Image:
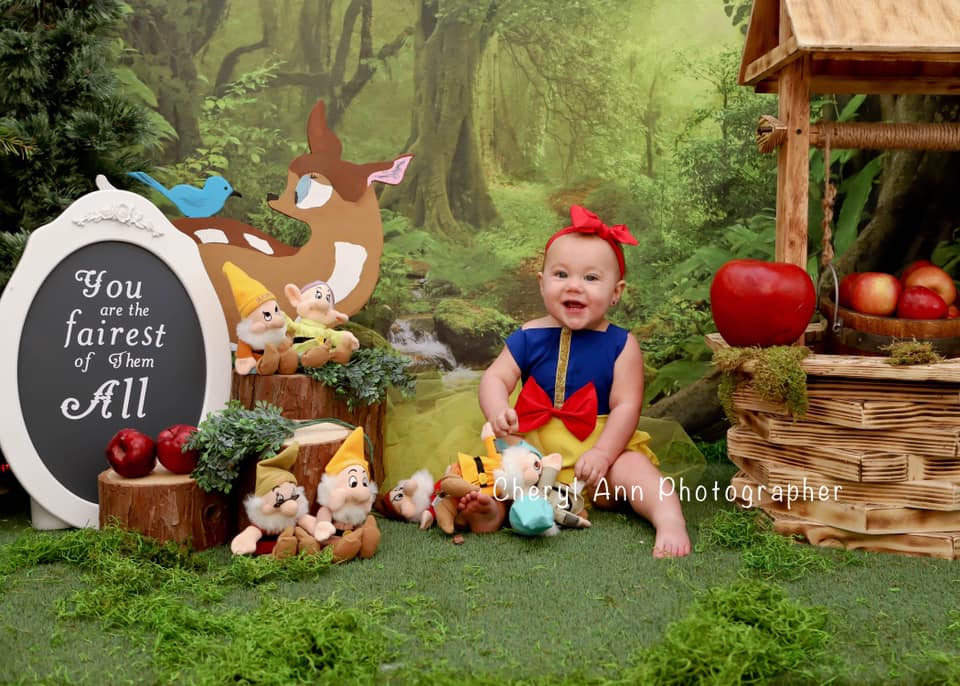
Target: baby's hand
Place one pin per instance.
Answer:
(591, 467)
(506, 422)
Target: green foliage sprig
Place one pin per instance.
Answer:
(228, 437)
(11, 248)
(364, 380)
(777, 375)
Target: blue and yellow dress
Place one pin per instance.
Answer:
(572, 365)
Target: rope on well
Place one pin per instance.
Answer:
(829, 195)
(771, 134)
(889, 136)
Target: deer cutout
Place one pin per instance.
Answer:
(336, 199)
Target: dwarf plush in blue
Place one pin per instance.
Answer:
(539, 508)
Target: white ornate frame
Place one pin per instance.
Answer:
(104, 215)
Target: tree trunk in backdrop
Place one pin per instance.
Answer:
(168, 37)
(917, 203)
(445, 185)
(696, 407)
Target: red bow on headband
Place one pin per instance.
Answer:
(585, 221)
(578, 414)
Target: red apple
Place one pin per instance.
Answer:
(761, 303)
(919, 302)
(876, 293)
(846, 288)
(131, 453)
(912, 267)
(170, 449)
(953, 312)
(935, 279)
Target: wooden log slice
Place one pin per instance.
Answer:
(164, 506)
(318, 444)
(302, 397)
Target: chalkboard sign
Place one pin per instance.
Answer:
(115, 324)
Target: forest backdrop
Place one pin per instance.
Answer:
(515, 109)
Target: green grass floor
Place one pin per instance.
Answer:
(576, 608)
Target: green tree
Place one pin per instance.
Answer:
(446, 188)
(726, 176)
(64, 117)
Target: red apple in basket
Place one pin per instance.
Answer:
(919, 302)
(914, 266)
(846, 288)
(953, 312)
(761, 303)
(935, 279)
(170, 452)
(131, 453)
(876, 293)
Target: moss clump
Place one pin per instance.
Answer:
(171, 602)
(744, 633)
(763, 552)
(777, 375)
(474, 333)
(911, 352)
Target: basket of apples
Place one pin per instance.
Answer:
(877, 309)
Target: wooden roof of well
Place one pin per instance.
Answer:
(856, 46)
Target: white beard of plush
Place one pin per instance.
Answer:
(519, 474)
(275, 522)
(350, 513)
(421, 495)
(259, 341)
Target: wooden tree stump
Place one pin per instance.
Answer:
(164, 506)
(318, 444)
(302, 397)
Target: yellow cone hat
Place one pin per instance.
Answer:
(276, 470)
(248, 293)
(349, 454)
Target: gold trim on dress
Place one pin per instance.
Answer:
(563, 360)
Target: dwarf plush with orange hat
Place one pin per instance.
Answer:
(345, 495)
(275, 507)
(263, 346)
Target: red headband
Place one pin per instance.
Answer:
(585, 221)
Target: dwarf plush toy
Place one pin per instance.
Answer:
(262, 343)
(485, 473)
(314, 337)
(541, 509)
(411, 500)
(345, 495)
(275, 507)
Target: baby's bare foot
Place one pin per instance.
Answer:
(672, 540)
(482, 513)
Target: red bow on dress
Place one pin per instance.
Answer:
(585, 221)
(578, 414)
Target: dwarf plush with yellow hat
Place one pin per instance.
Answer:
(275, 507)
(345, 495)
(263, 346)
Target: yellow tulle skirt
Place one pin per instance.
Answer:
(553, 437)
(444, 419)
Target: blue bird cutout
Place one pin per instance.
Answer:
(190, 200)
